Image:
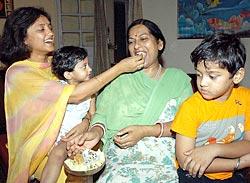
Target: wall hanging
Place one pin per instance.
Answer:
(199, 18)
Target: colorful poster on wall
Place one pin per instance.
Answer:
(199, 18)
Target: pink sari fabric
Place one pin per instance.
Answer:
(34, 105)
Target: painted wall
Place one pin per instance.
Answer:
(164, 13)
(48, 5)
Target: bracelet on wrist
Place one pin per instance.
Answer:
(101, 126)
(237, 165)
(161, 129)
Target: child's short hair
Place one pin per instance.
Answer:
(66, 58)
(224, 49)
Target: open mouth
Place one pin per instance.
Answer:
(144, 54)
(141, 53)
(49, 41)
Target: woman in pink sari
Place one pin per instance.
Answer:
(34, 101)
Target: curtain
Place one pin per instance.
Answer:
(134, 10)
(102, 58)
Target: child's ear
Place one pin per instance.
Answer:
(67, 75)
(239, 75)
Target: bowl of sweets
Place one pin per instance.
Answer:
(88, 162)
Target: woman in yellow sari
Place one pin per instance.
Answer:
(34, 101)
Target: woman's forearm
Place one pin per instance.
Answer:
(157, 130)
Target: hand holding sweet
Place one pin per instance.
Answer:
(129, 136)
(131, 64)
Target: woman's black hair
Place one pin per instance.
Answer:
(153, 29)
(12, 44)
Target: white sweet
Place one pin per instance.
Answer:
(91, 160)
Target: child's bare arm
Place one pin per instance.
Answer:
(183, 144)
(244, 161)
(228, 151)
(86, 89)
(92, 108)
(203, 159)
(195, 160)
(224, 165)
(232, 150)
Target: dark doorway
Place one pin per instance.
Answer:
(120, 8)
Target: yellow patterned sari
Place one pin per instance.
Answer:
(34, 105)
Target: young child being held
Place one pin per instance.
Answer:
(213, 126)
(70, 65)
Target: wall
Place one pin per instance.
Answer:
(177, 52)
(48, 5)
(164, 13)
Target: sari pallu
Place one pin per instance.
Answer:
(136, 99)
(34, 105)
